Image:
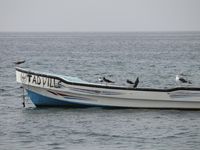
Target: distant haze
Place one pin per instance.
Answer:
(99, 15)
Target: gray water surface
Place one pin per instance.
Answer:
(153, 57)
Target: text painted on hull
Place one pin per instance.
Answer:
(39, 80)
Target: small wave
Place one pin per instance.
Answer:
(54, 144)
(9, 88)
(2, 134)
(26, 141)
(7, 95)
(97, 134)
(22, 132)
(2, 90)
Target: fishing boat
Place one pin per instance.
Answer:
(46, 89)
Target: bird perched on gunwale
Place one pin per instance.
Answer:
(129, 81)
(103, 79)
(182, 80)
(135, 84)
(107, 80)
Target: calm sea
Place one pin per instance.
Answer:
(153, 57)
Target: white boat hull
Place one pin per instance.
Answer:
(52, 90)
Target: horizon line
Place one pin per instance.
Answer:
(141, 31)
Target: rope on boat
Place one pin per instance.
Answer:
(23, 97)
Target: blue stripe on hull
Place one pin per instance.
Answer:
(40, 100)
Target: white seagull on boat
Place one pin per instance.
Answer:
(182, 80)
(100, 79)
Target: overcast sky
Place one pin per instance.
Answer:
(99, 15)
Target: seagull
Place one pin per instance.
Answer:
(106, 80)
(181, 80)
(129, 81)
(19, 62)
(100, 79)
(135, 84)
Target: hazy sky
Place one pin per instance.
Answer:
(99, 15)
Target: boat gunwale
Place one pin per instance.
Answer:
(107, 86)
